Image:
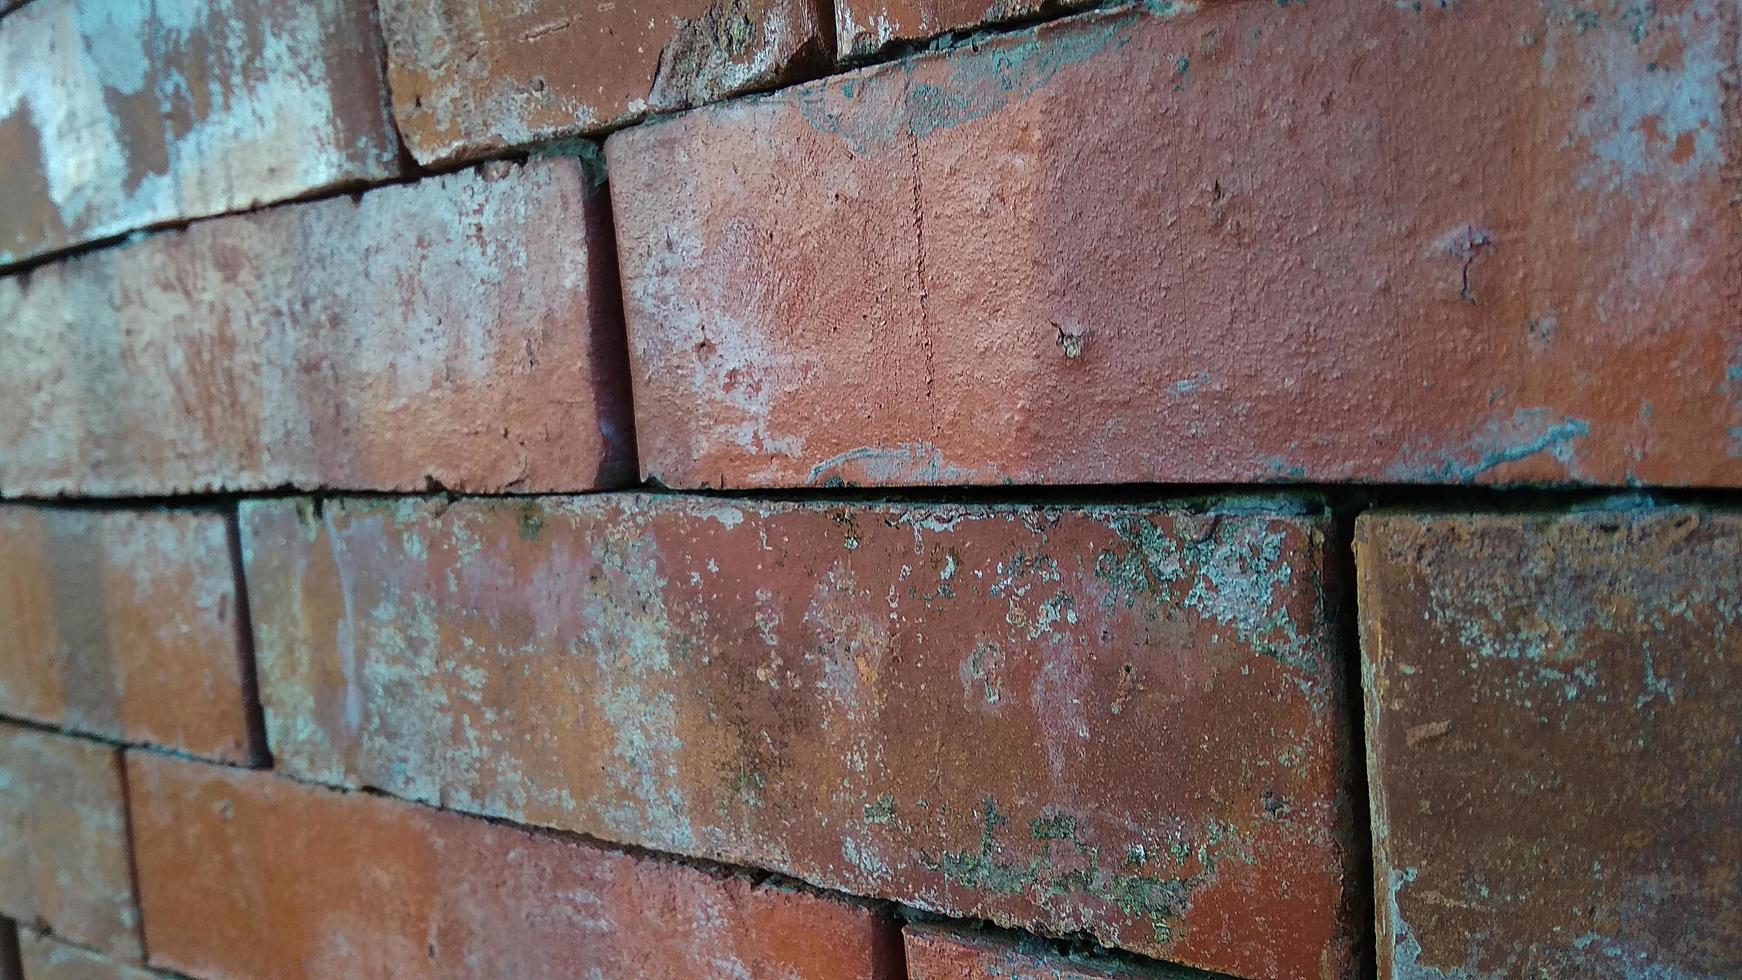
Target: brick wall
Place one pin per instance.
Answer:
(786, 489)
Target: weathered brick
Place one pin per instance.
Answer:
(125, 624)
(45, 958)
(1499, 246)
(63, 839)
(818, 689)
(471, 77)
(463, 331)
(1552, 733)
(866, 27)
(936, 952)
(245, 874)
(117, 116)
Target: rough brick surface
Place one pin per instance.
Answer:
(867, 27)
(44, 958)
(470, 76)
(1499, 245)
(946, 953)
(125, 624)
(1552, 727)
(116, 116)
(817, 689)
(63, 840)
(463, 331)
(245, 874)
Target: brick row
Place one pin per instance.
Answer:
(1552, 733)
(126, 625)
(460, 332)
(245, 874)
(118, 116)
(1500, 246)
(818, 689)
(64, 858)
(471, 78)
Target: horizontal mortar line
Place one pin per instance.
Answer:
(1516, 499)
(154, 748)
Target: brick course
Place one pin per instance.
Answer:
(816, 689)
(976, 267)
(117, 116)
(1552, 728)
(471, 78)
(63, 840)
(245, 874)
(125, 624)
(461, 332)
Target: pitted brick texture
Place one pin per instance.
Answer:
(245, 874)
(126, 625)
(1115, 720)
(1481, 242)
(471, 77)
(63, 840)
(118, 116)
(1552, 729)
(460, 332)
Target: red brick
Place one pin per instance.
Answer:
(1552, 733)
(44, 958)
(462, 331)
(1499, 246)
(63, 840)
(117, 116)
(124, 624)
(244, 874)
(936, 952)
(470, 78)
(817, 689)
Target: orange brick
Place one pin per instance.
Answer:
(462, 331)
(45, 958)
(1552, 725)
(245, 874)
(470, 78)
(118, 116)
(1473, 242)
(64, 859)
(1125, 721)
(936, 952)
(125, 624)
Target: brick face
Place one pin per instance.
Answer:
(63, 840)
(462, 332)
(245, 874)
(471, 78)
(117, 116)
(817, 689)
(977, 267)
(125, 624)
(1552, 728)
